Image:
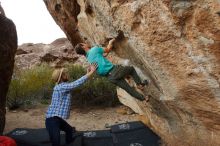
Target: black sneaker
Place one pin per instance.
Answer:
(141, 99)
(145, 83)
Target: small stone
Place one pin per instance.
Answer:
(25, 110)
(107, 125)
(121, 111)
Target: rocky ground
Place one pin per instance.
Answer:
(82, 119)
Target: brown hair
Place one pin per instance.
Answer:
(79, 49)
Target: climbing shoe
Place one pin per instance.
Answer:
(144, 83)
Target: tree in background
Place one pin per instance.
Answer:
(8, 46)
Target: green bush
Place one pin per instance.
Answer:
(30, 86)
(34, 86)
(96, 91)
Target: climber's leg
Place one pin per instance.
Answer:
(124, 85)
(120, 72)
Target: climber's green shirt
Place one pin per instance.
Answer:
(95, 55)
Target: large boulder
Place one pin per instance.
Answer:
(8, 46)
(174, 43)
(57, 53)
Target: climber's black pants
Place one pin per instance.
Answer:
(117, 76)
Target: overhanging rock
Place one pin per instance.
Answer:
(174, 43)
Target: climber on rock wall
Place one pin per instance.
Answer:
(115, 73)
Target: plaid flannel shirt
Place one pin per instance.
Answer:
(61, 98)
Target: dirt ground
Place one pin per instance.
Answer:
(82, 119)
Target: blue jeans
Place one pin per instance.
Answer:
(54, 125)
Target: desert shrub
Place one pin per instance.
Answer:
(96, 91)
(29, 86)
(33, 86)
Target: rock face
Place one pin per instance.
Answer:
(8, 46)
(57, 53)
(175, 43)
(1, 10)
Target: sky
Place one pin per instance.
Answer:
(33, 22)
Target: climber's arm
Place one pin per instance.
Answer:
(109, 47)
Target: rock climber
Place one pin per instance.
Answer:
(115, 73)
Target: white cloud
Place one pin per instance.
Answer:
(33, 21)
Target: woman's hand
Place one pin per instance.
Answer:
(91, 69)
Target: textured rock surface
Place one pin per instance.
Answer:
(8, 46)
(2, 10)
(57, 53)
(174, 42)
